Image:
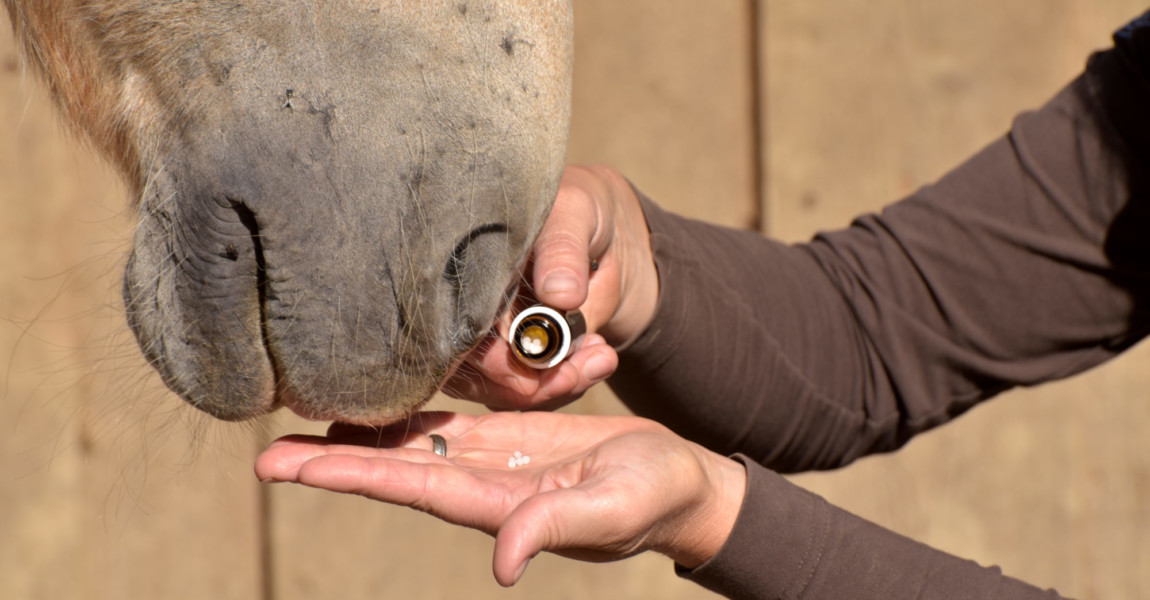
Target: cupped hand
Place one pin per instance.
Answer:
(586, 487)
(593, 254)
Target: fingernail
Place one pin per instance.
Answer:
(559, 282)
(519, 572)
(598, 368)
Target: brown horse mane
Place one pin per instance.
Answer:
(119, 70)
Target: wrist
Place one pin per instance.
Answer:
(705, 528)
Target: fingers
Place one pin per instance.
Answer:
(466, 487)
(414, 477)
(496, 379)
(443, 490)
(575, 233)
(562, 501)
(580, 229)
(396, 481)
(591, 364)
(491, 375)
(284, 458)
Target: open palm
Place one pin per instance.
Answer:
(592, 488)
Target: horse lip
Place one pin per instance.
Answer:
(506, 306)
(309, 413)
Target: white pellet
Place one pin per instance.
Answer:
(532, 346)
(518, 460)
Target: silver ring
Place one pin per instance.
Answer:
(438, 444)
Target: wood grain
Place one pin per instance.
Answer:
(111, 489)
(865, 102)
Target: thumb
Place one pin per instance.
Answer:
(562, 520)
(567, 242)
(528, 530)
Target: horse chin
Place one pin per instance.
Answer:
(370, 418)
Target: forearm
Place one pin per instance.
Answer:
(725, 362)
(1025, 264)
(789, 543)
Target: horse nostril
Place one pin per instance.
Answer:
(455, 270)
(474, 275)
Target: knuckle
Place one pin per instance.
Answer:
(574, 193)
(561, 242)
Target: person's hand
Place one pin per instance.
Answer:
(590, 488)
(593, 254)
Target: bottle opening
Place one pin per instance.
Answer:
(540, 337)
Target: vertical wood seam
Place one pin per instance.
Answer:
(266, 547)
(758, 117)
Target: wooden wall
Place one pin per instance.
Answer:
(786, 115)
(865, 102)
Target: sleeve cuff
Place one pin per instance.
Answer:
(776, 544)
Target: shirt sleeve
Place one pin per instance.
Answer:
(789, 543)
(1030, 262)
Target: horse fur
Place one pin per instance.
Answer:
(334, 198)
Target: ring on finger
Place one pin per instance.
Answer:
(438, 444)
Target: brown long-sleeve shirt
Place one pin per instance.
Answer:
(1029, 263)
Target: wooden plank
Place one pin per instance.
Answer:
(866, 101)
(662, 92)
(99, 497)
